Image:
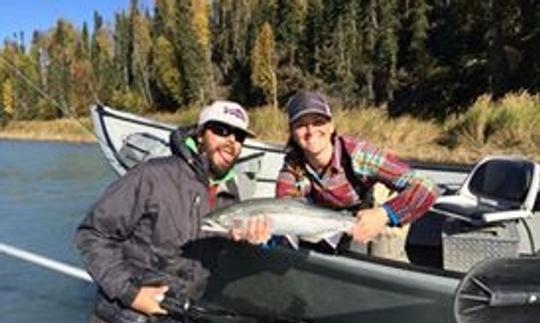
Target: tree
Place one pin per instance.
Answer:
(264, 63)
(163, 23)
(7, 99)
(189, 52)
(290, 24)
(203, 35)
(123, 50)
(416, 56)
(61, 50)
(167, 73)
(386, 49)
(142, 47)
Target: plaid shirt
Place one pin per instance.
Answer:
(367, 166)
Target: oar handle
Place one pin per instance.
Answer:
(515, 296)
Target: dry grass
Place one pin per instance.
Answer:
(185, 116)
(508, 126)
(269, 124)
(57, 130)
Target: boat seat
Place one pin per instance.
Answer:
(499, 188)
(141, 146)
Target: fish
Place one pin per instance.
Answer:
(292, 218)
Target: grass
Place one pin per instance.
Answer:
(507, 126)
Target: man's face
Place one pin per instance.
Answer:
(313, 133)
(222, 145)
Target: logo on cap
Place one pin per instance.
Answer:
(235, 112)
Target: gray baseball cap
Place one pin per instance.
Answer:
(303, 103)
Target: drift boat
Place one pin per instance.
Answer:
(487, 211)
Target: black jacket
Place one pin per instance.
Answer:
(145, 227)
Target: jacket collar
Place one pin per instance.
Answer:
(184, 145)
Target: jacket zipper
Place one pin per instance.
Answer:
(197, 212)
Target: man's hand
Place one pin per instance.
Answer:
(256, 230)
(148, 298)
(370, 223)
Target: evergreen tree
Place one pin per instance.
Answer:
(418, 23)
(85, 42)
(105, 77)
(312, 40)
(386, 49)
(123, 50)
(189, 52)
(290, 22)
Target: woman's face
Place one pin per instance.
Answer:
(313, 133)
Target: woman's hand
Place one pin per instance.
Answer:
(255, 230)
(370, 223)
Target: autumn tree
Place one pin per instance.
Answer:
(189, 51)
(7, 99)
(167, 73)
(105, 77)
(264, 63)
(142, 48)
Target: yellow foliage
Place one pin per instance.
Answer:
(7, 97)
(200, 22)
(168, 75)
(263, 63)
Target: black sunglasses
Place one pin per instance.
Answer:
(224, 130)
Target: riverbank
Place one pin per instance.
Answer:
(455, 141)
(66, 130)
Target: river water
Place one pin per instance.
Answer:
(45, 190)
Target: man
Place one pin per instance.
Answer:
(137, 240)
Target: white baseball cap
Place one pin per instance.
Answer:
(227, 112)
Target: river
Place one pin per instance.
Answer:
(45, 190)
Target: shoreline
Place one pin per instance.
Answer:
(45, 138)
(80, 131)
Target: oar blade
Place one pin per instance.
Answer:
(504, 290)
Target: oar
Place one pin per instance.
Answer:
(503, 290)
(45, 262)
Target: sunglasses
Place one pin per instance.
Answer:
(224, 130)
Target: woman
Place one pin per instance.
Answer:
(338, 171)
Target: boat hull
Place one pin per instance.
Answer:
(286, 285)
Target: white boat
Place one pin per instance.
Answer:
(489, 211)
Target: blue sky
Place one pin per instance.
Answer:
(29, 15)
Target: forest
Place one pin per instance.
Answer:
(430, 59)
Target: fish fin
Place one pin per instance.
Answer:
(333, 239)
(293, 241)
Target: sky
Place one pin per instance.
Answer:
(29, 15)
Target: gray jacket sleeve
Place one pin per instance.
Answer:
(109, 222)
